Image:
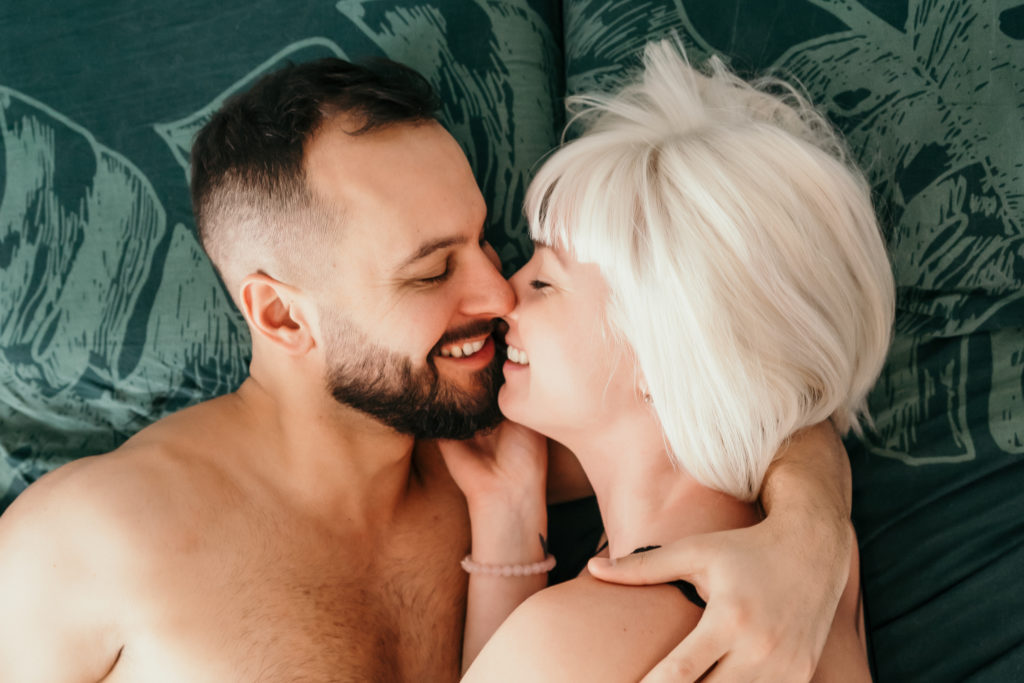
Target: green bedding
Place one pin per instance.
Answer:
(111, 317)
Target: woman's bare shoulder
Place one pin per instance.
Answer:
(586, 629)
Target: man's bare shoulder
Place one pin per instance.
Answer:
(585, 629)
(71, 549)
(81, 546)
(123, 497)
(96, 500)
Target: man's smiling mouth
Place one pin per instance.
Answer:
(462, 349)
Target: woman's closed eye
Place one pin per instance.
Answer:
(538, 284)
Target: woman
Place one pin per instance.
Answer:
(709, 278)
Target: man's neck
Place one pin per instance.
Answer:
(337, 461)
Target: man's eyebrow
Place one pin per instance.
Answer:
(430, 247)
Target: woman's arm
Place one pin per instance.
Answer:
(503, 476)
(501, 539)
(771, 589)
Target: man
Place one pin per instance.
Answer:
(296, 529)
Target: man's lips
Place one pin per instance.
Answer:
(463, 348)
(482, 352)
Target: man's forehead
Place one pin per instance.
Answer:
(401, 187)
(418, 157)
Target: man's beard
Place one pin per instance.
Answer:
(418, 402)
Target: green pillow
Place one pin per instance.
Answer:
(110, 314)
(931, 98)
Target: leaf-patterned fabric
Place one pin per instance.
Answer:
(111, 316)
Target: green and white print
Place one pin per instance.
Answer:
(112, 317)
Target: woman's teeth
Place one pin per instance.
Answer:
(461, 350)
(517, 356)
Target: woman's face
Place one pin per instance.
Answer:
(566, 372)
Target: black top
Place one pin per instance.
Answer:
(688, 590)
(574, 528)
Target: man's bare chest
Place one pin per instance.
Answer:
(302, 610)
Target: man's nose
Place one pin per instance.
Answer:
(488, 294)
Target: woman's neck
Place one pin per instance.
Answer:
(645, 499)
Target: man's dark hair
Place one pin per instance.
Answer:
(248, 179)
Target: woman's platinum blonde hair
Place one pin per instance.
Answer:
(746, 268)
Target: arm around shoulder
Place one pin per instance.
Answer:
(810, 476)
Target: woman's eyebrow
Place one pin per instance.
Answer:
(540, 246)
(556, 257)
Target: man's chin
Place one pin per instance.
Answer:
(428, 407)
(458, 414)
(476, 393)
(440, 423)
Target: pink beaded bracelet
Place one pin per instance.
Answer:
(542, 567)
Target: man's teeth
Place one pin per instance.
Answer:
(460, 350)
(517, 356)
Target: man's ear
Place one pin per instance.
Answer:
(278, 312)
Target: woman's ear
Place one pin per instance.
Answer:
(277, 312)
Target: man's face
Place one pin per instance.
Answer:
(409, 303)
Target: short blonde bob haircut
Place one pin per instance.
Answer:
(745, 265)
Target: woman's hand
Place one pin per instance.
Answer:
(506, 466)
(503, 475)
(772, 588)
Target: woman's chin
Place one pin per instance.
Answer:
(512, 406)
(517, 409)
